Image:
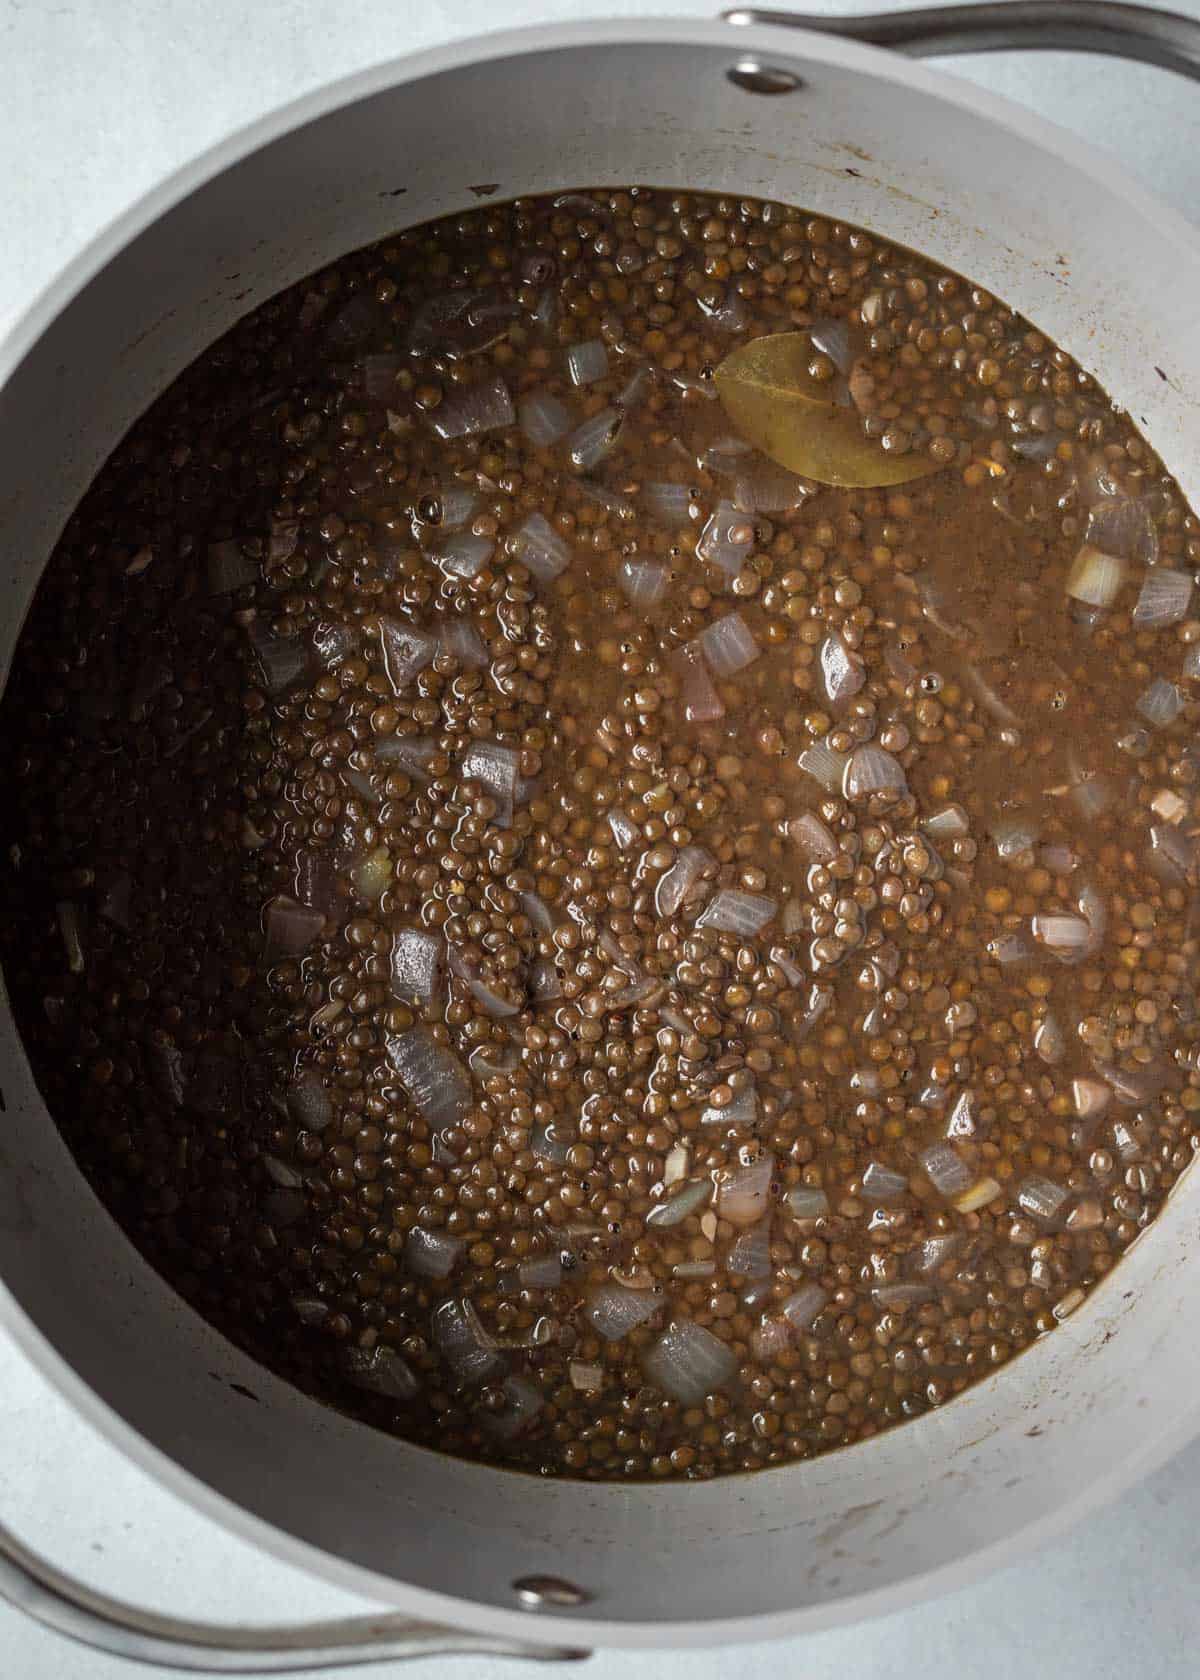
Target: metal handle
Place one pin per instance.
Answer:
(91, 1618)
(1167, 39)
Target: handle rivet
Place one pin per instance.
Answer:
(753, 76)
(537, 1591)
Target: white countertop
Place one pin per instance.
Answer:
(101, 99)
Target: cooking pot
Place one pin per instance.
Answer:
(467, 1556)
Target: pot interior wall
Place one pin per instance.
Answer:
(899, 151)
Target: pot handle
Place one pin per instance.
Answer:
(91, 1618)
(1166, 39)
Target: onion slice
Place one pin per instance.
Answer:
(433, 1076)
(688, 1362)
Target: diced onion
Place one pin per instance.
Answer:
(806, 1201)
(670, 504)
(1172, 854)
(750, 1255)
(825, 765)
(761, 486)
(543, 419)
(946, 1170)
(229, 568)
(415, 959)
(283, 660)
(433, 1076)
(644, 581)
(688, 1362)
(881, 1184)
(742, 1111)
(677, 1208)
(805, 1306)
(744, 1193)
(895, 1297)
(587, 362)
(1164, 598)
(380, 1370)
(729, 314)
(309, 1103)
(472, 409)
(498, 768)
(548, 1144)
(464, 556)
(523, 1400)
(871, 770)
(588, 1379)
(290, 928)
(432, 1254)
(726, 539)
(935, 1251)
(842, 672)
(538, 545)
(461, 641)
(1124, 526)
(590, 443)
(742, 913)
(950, 823)
(1161, 703)
(1090, 1098)
(541, 1271)
(413, 753)
(1013, 836)
(1095, 578)
(1068, 937)
(963, 1121)
(832, 338)
(613, 1311)
(406, 652)
(282, 1173)
(624, 829)
(728, 645)
(701, 702)
(463, 1342)
(812, 838)
(1042, 1200)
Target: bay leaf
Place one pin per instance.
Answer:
(776, 404)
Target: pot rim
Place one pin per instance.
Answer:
(781, 44)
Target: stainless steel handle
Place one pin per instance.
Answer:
(91, 1618)
(1167, 39)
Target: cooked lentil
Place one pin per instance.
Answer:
(524, 1007)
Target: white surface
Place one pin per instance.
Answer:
(99, 103)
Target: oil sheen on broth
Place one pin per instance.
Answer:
(568, 940)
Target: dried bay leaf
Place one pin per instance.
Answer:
(775, 404)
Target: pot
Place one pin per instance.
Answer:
(461, 1552)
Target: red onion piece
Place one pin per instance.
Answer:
(743, 913)
(676, 885)
(538, 545)
(543, 419)
(727, 539)
(413, 753)
(701, 702)
(744, 1193)
(871, 770)
(1042, 1200)
(432, 1254)
(946, 1170)
(498, 768)
(416, 956)
(1069, 938)
(804, 1307)
(882, 1184)
(473, 409)
(463, 1342)
(283, 660)
(728, 645)
(380, 1370)
(963, 1121)
(689, 1363)
(842, 672)
(522, 1403)
(433, 1076)
(613, 1311)
(1164, 598)
(464, 556)
(644, 581)
(1161, 703)
(812, 838)
(806, 1201)
(461, 641)
(406, 652)
(670, 504)
(1124, 527)
(587, 362)
(825, 765)
(541, 1271)
(750, 1254)
(760, 485)
(229, 569)
(729, 315)
(589, 443)
(1095, 578)
(289, 928)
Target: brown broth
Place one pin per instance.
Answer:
(214, 751)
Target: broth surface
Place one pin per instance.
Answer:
(568, 940)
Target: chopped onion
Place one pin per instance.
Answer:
(670, 504)
(290, 928)
(613, 1311)
(1090, 1098)
(541, 1271)
(406, 652)
(950, 823)
(935, 1251)
(832, 338)
(433, 1076)
(726, 539)
(432, 1254)
(1172, 854)
(588, 1379)
(542, 418)
(1164, 598)
(538, 545)
(229, 569)
(283, 660)
(769, 1339)
(1125, 1138)
(498, 768)
(744, 1193)
(415, 959)
(380, 1370)
(372, 876)
(983, 1191)
(1068, 937)
(728, 645)
(750, 1255)
(1095, 578)
(587, 362)
(742, 913)
(464, 556)
(804, 1307)
(963, 1121)
(825, 766)
(701, 702)
(688, 1200)
(742, 1111)
(675, 886)
(689, 1363)
(1161, 703)
(353, 321)
(545, 982)
(522, 1403)
(762, 486)
(634, 388)
(1124, 526)
(945, 1170)
(309, 1103)
(729, 315)
(548, 1144)
(695, 1269)
(1132, 1087)
(282, 1173)
(644, 581)
(1013, 836)
(881, 1184)
(806, 1201)
(1042, 1200)
(309, 1309)
(472, 409)
(895, 1297)
(842, 672)
(871, 770)
(624, 829)
(590, 443)
(463, 1342)
(491, 1061)
(812, 838)
(460, 640)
